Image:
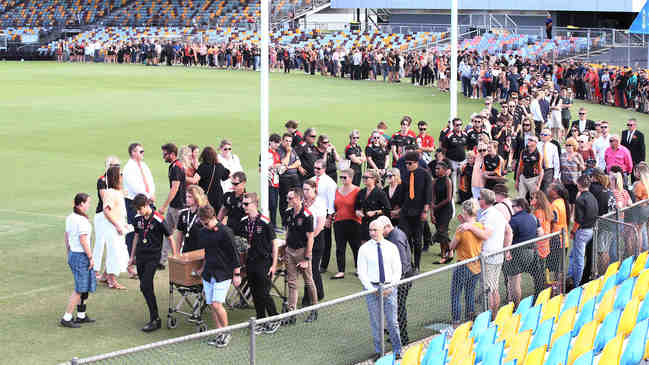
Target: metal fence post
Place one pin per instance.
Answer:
(483, 275)
(593, 264)
(74, 361)
(620, 247)
(564, 251)
(381, 318)
(252, 324)
(588, 45)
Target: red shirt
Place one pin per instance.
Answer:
(273, 177)
(344, 205)
(425, 140)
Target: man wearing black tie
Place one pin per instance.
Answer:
(633, 139)
(417, 193)
(583, 124)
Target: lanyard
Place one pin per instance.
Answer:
(146, 229)
(252, 224)
(190, 223)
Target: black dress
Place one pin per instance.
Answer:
(444, 213)
(395, 201)
(211, 177)
(377, 200)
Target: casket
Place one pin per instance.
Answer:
(183, 269)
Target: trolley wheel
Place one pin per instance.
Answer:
(171, 322)
(202, 328)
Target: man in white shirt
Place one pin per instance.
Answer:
(535, 110)
(326, 188)
(551, 162)
(600, 145)
(493, 235)
(379, 263)
(357, 59)
(136, 179)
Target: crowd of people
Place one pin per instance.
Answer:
(381, 200)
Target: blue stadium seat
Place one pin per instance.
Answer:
(624, 271)
(572, 299)
(481, 323)
(610, 284)
(542, 335)
(586, 315)
(585, 359)
(607, 330)
(624, 293)
(559, 352)
(484, 341)
(494, 355)
(635, 346)
(436, 347)
(524, 306)
(531, 319)
(386, 360)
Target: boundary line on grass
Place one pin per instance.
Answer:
(24, 212)
(33, 291)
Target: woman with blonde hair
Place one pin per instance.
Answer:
(188, 223)
(542, 210)
(622, 200)
(100, 220)
(640, 190)
(371, 202)
(190, 163)
(230, 161)
(393, 191)
(115, 227)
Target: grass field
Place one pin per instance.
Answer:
(58, 124)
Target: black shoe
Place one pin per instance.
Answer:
(69, 324)
(272, 327)
(397, 356)
(160, 267)
(313, 316)
(375, 357)
(155, 324)
(289, 321)
(85, 319)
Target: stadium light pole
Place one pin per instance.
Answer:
(263, 108)
(454, 50)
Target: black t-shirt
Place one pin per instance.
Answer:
(153, 231)
(221, 257)
(531, 163)
(308, 156)
(177, 173)
(331, 169)
(214, 173)
(189, 225)
(491, 163)
(378, 154)
(353, 151)
(260, 235)
(455, 145)
(298, 227)
(101, 185)
(473, 138)
(234, 206)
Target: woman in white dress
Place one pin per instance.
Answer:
(100, 220)
(554, 122)
(230, 161)
(115, 228)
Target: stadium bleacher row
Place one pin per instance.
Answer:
(605, 321)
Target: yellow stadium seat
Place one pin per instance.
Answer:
(612, 351)
(412, 355)
(504, 314)
(584, 341)
(459, 336)
(629, 315)
(536, 357)
(466, 359)
(611, 270)
(518, 348)
(606, 305)
(463, 350)
(565, 324)
(641, 285)
(591, 289)
(552, 308)
(509, 329)
(544, 296)
(639, 263)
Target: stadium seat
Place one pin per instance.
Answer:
(524, 306)
(586, 315)
(463, 349)
(504, 314)
(484, 341)
(639, 264)
(466, 358)
(480, 323)
(643, 311)
(607, 331)
(591, 290)
(559, 352)
(542, 335)
(624, 271)
(624, 293)
(606, 305)
(436, 347)
(564, 326)
(494, 355)
(584, 341)
(386, 360)
(635, 345)
(412, 355)
(572, 299)
(642, 285)
(460, 335)
(544, 296)
(551, 308)
(535, 357)
(629, 316)
(585, 359)
(611, 269)
(612, 351)
(531, 319)
(608, 285)
(519, 345)
(510, 329)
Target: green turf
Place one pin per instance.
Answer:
(58, 124)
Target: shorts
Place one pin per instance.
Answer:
(492, 276)
(216, 291)
(84, 278)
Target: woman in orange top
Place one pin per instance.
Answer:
(640, 190)
(347, 225)
(466, 276)
(542, 212)
(560, 213)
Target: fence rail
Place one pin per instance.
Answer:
(341, 334)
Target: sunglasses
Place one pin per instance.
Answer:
(317, 168)
(389, 175)
(343, 177)
(356, 137)
(582, 113)
(410, 163)
(458, 125)
(612, 140)
(325, 142)
(484, 150)
(630, 124)
(227, 149)
(236, 183)
(245, 204)
(526, 125)
(366, 177)
(604, 127)
(545, 134)
(422, 129)
(141, 152)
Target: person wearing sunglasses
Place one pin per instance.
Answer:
(354, 153)
(326, 151)
(137, 179)
(346, 222)
(232, 210)
(583, 124)
(230, 161)
(600, 144)
(100, 220)
(425, 142)
(473, 134)
(176, 198)
(455, 145)
(308, 153)
(529, 174)
(377, 152)
(403, 138)
(633, 140)
(371, 202)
